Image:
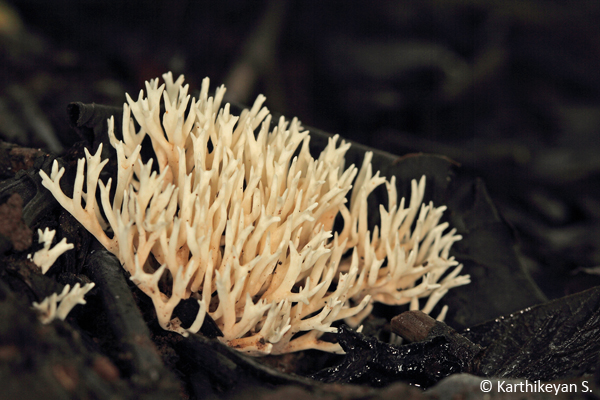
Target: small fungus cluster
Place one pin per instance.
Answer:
(49, 309)
(240, 217)
(46, 256)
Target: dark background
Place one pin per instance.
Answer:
(510, 89)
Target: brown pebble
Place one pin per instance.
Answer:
(416, 326)
(413, 326)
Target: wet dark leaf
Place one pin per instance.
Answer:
(370, 361)
(556, 340)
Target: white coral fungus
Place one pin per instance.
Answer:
(48, 309)
(240, 217)
(46, 256)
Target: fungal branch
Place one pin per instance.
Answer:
(244, 226)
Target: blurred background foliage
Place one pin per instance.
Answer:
(508, 89)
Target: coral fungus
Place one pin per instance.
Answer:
(240, 216)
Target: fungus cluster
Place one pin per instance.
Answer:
(240, 217)
(46, 256)
(49, 309)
